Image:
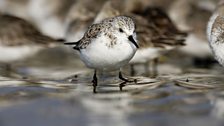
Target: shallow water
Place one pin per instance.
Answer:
(60, 93)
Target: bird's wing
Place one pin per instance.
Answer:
(92, 33)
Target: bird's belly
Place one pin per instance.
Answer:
(10, 54)
(100, 56)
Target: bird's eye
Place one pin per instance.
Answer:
(121, 30)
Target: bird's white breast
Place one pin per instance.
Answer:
(99, 56)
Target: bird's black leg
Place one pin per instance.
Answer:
(94, 81)
(121, 85)
(124, 79)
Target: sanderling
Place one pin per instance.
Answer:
(108, 45)
(215, 32)
(156, 32)
(19, 39)
(192, 16)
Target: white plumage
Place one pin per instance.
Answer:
(99, 56)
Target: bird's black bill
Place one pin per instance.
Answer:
(70, 43)
(74, 44)
(130, 38)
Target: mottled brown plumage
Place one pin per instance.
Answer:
(155, 29)
(15, 31)
(92, 33)
(165, 26)
(105, 28)
(162, 21)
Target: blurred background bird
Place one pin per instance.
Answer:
(19, 39)
(192, 16)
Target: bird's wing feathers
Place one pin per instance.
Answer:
(92, 33)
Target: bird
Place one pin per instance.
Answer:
(157, 34)
(215, 33)
(19, 40)
(108, 45)
(192, 16)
